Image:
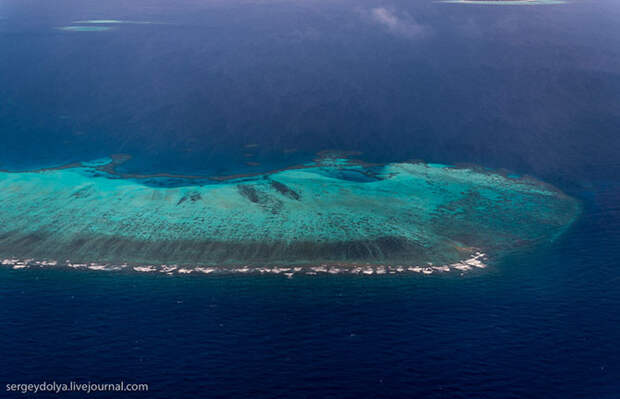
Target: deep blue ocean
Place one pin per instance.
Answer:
(224, 87)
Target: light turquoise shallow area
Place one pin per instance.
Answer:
(334, 211)
(111, 22)
(75, 28)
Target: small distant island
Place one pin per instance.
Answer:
(504, 2)
(333, 215)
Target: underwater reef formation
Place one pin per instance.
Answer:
(334, 211)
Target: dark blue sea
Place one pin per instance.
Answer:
(227, 87)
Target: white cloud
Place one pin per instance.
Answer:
(403, 25)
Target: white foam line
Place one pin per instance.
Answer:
(205, 270)
(144, 269)
(333, 270)
(476, 261)
(460, 266)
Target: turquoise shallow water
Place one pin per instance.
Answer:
(335, 211)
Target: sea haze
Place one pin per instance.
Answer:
(219, 88)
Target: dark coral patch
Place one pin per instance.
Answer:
(285, 190)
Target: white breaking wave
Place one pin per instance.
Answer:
(476, 261)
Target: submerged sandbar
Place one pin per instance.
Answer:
(335, 212)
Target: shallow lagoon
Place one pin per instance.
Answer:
(334, 211)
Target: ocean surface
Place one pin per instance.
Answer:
(220, 88)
